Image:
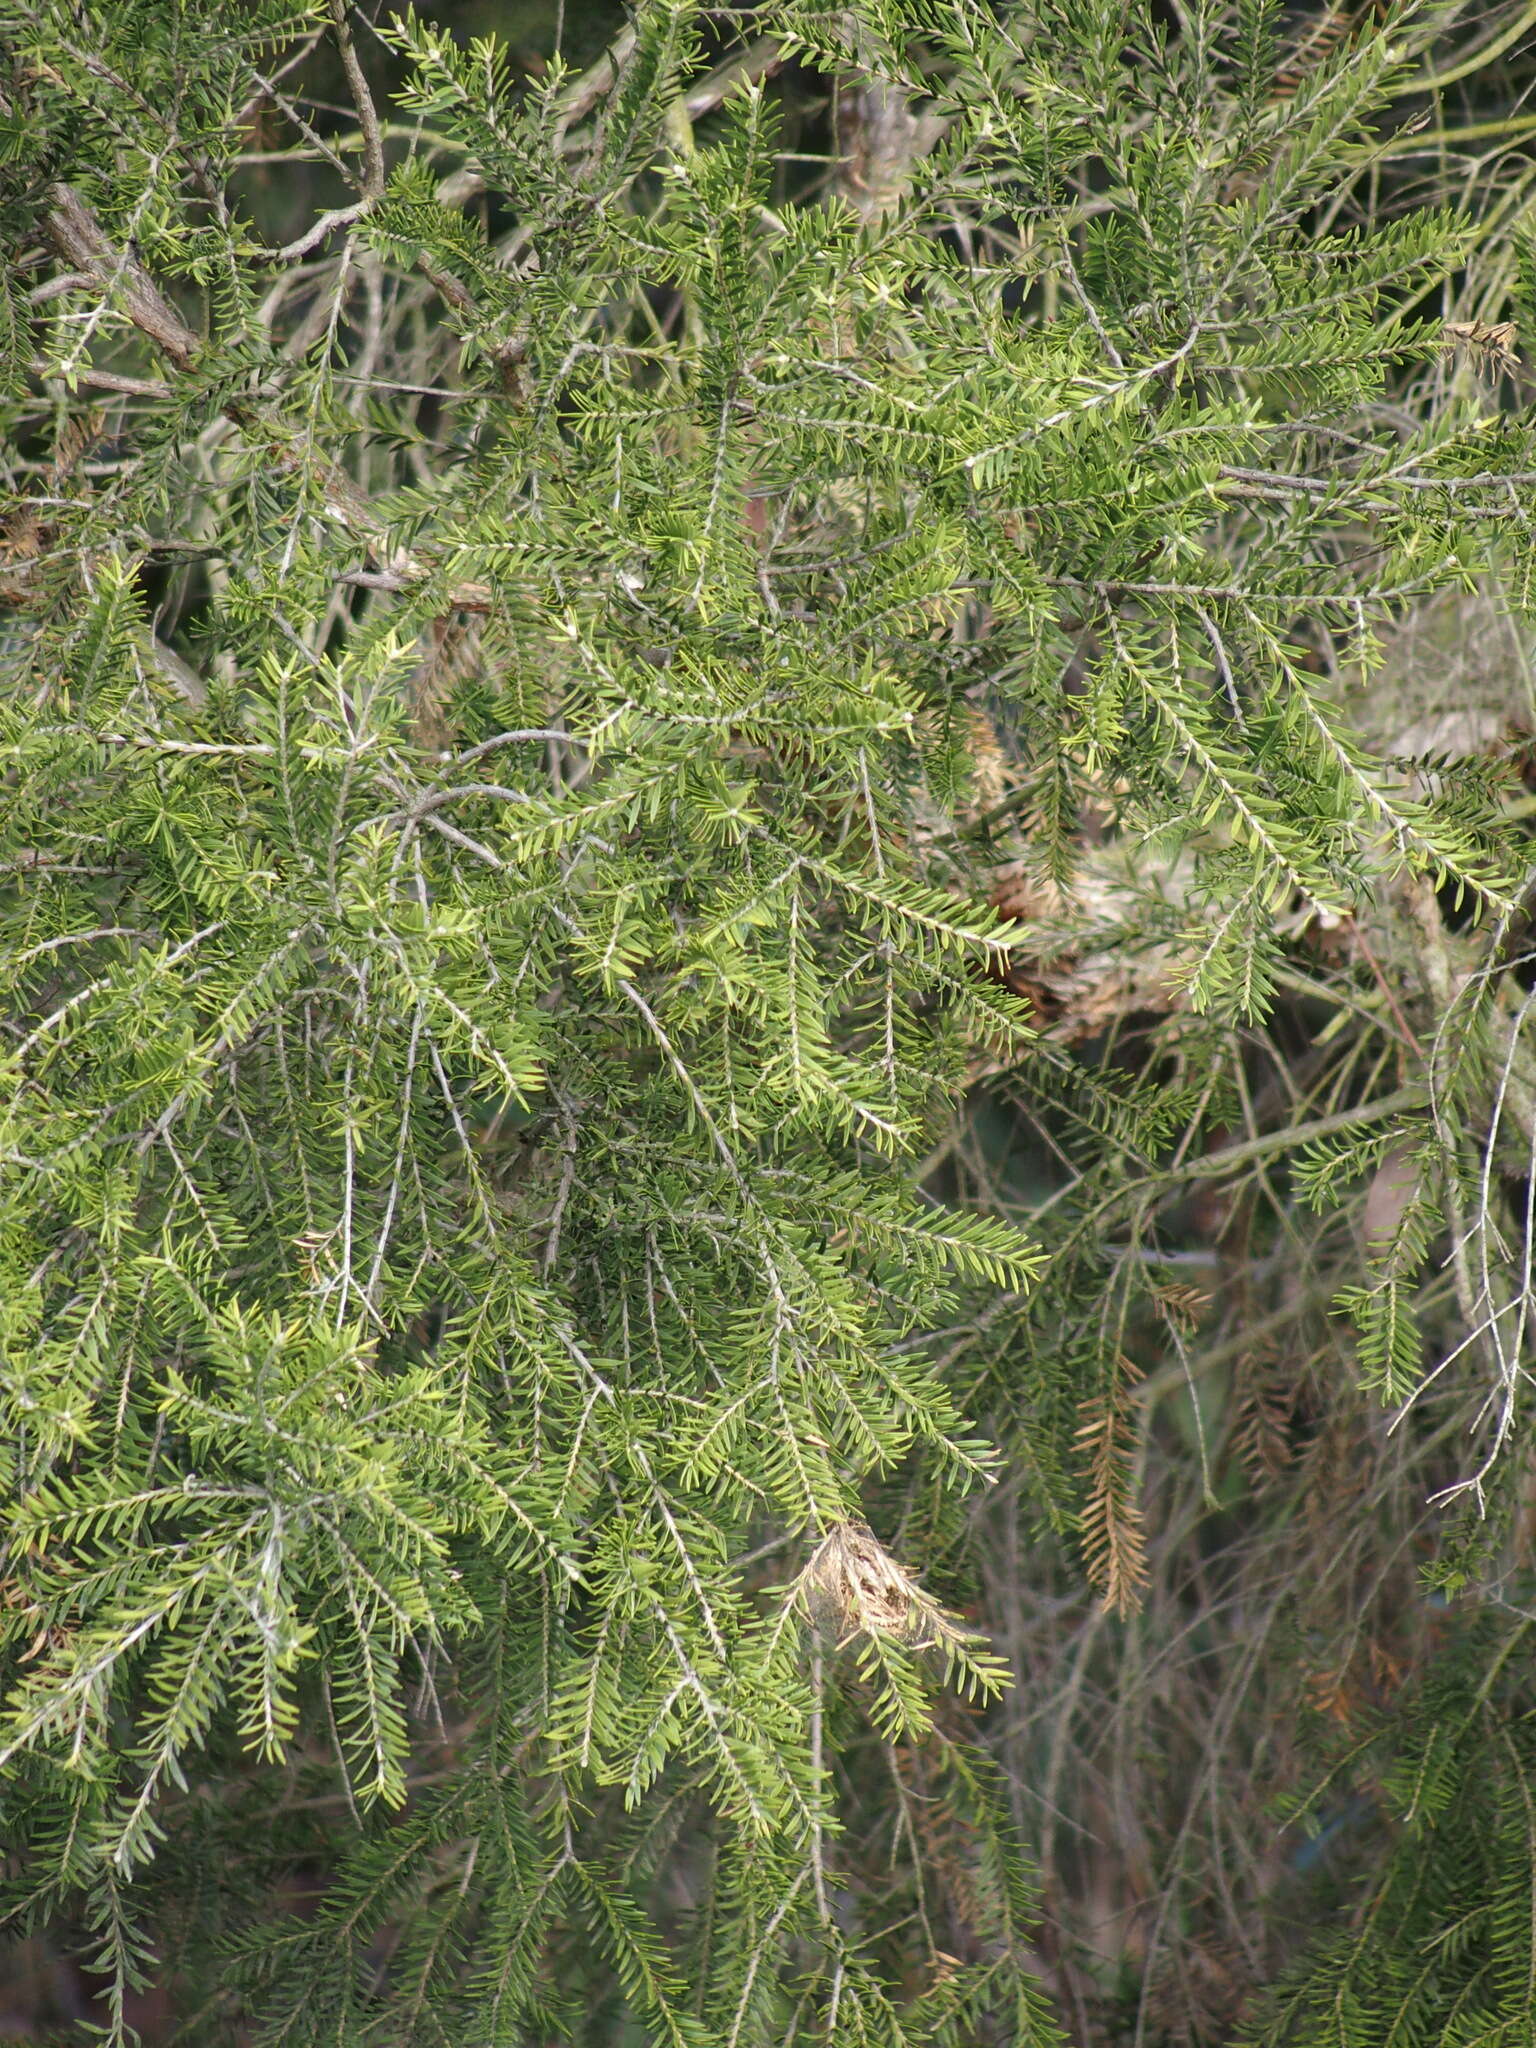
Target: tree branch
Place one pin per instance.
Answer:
(80, 239)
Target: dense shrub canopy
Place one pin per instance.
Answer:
(763, 807)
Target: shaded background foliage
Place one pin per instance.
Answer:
(1269, 1647)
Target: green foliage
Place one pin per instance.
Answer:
(498, 918)
(1441, 1949)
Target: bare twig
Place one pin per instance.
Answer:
(79, 237)
(362, 99)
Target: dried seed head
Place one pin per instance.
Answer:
(1493, 341)
(851, 1585)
